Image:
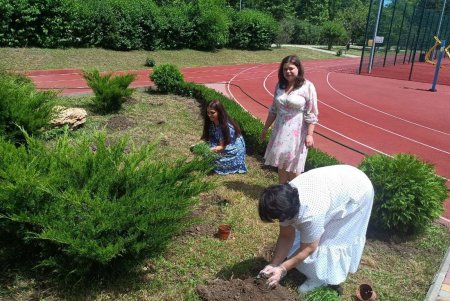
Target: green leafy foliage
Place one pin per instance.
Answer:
(211, 23)
(306, 33)
(175, 27)
(203, 149)
(21, 105)
(92, 203)
(150, 62)
(252, 29)
(339, 52)
(166, 77)
(110, 92)
(322, 294)
(317, 158)
(408, 193)
(333, 32)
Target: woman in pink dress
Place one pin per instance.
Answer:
(293, 114)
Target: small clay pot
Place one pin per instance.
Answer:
(224, 232)
(365, 292)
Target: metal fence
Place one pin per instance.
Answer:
(399, 35)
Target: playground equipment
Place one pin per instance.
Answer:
(431, 51)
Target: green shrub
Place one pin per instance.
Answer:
(408, 193)
(110, 92)
(339, 52)
(211, 24)
(175, 27)
(253, 30)
(317, 158)
(333, 32)
(21, 105)
(322, 294)
(116, 24)
(286, 31)
(166, 77)
(150, 62)
(92, 203)
(306, 33)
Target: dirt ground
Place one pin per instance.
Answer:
(249, 289)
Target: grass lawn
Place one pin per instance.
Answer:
(86, 58)
(399, 268)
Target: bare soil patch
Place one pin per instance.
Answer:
(119, 123)
(249, 289)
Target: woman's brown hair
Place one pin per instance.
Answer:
(224, 120)
(299, 80)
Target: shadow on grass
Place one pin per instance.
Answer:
(250, 190)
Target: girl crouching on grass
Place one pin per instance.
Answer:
(224, 138)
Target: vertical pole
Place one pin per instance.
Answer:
(417, 40)
(365, 38)
(438, 66)
(409, 32)
(400, 34)
(389, 34)
(441, 18)
(372, 51)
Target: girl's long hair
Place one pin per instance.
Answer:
(224, 120)
(299, 80)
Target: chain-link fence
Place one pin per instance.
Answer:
(401, 47)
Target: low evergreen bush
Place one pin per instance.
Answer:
(21, 105)
(408, 193)
(110, 92)
(166, 77)
(150, 62)
(89, 203)
(339, 52)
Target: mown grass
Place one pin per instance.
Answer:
(398, 269)
(101, 59)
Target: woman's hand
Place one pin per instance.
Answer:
(309, 141)
(275, 274)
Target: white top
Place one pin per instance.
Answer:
(335, 206)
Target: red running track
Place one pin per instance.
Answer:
(367, 114)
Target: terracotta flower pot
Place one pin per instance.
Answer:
(365, 292)
(224, 232)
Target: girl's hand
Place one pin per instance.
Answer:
(309, 141)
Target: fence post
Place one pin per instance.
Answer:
(438, 66)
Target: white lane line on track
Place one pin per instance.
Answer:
(445, 219)
(385, 130)
(380, 111)
(229, 82)
(353, 140)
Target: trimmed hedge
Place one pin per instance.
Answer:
(252, 29)
(127, 25)
(408, 193)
